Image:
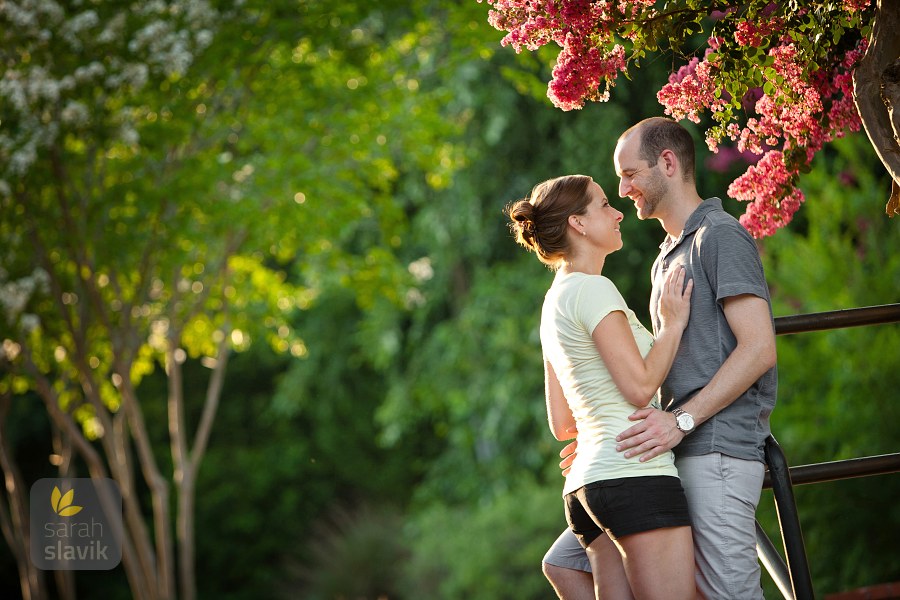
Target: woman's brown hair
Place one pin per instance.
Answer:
(540, 222)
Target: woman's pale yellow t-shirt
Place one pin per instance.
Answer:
(573, 307)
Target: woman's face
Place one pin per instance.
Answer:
(601, 222)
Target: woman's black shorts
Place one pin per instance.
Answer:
(626, 506)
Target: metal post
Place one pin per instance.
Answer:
(773, 563)
(789, 521)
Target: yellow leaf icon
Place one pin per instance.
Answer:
(62, 503)
(68, 512)
(66, 500)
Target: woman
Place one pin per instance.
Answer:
(600, 364)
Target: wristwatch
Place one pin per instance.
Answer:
(683, 421)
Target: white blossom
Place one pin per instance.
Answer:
(12, 89)
(19, 17)
(421, 269)
(15, 294)
(114, 29)
(87, 73)
(204, 38)
(29, 322)
(75, 113)
(40, 85)
(132, 74)
(154, 31)
(128, 134)
(76, 27)
(22, 159)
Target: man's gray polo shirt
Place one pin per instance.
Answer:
(722, 259)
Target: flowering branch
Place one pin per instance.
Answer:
(775, 78)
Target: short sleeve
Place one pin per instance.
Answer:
(731, 262)
(597, 297)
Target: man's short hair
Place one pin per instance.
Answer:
(658, 134)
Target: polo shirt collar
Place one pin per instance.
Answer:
(694, 221)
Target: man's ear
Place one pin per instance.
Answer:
(669, 163)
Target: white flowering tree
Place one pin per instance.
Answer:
(161, 163)
(117, 255)
(778, 79)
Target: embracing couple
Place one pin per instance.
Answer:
(664, 477)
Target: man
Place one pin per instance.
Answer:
(722, 386)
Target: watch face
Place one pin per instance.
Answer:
(685, 421)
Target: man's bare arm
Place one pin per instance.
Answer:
(749, 319)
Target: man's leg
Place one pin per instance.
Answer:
(567, 568)
(722, 494)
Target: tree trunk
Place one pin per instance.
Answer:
(14, 520)
(876, 91)
(187, 459)
(62, 459)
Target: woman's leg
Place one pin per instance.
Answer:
(659, 563)
(610, 581)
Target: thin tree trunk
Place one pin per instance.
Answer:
(185, 530)
(179, 450)
(141, 585)
(15, 521)
(62, 449)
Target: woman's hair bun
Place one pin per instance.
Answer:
(521, 214)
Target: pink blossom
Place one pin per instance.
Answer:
(785, 122)
(855, 5)
(768, 187)
(579, 73)
(691, 89)
(753, 34)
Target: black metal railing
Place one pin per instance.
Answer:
(792, 577)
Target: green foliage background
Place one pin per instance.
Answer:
(405, 454)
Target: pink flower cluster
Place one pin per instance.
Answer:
(580, 71)
(856, 5)
(533, 23)
(753, 34)
(790, 118)
(590, 60)
(793, 111)
(796, 118)
(768, 187)
(691, 90)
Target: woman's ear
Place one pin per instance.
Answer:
(574, 223)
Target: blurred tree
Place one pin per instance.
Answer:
(126, 243)
(163, 164)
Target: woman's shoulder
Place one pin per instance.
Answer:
(600, 283)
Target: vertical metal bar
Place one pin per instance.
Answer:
(789, 521)
(779, 473)
(774, 564)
